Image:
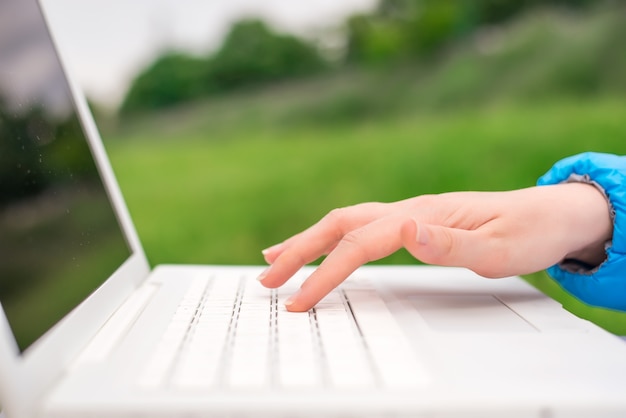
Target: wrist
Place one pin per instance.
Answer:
(594, 226)
(603, 285)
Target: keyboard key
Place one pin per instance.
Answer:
(249, 364)
(389, 347)
(233, 333)
(298, 359)
(347, 363)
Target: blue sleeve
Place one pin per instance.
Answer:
(605, 285)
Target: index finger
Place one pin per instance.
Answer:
(318, 240)
(370, 242)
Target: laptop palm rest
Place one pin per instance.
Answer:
(469, 313)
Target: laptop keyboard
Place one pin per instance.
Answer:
(232, 333)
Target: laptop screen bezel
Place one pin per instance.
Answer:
(28, 375)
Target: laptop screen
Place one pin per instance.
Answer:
(59, 236)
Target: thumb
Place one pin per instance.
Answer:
(440, 245)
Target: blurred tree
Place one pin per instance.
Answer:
(498, 11)
(373, 39)
(400, 29)
(172, 78)
(437, 22)
(395, 8)
(251, 54)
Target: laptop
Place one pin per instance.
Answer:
(89, 329)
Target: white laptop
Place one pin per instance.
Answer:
(88, 329)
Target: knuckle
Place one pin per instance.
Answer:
(373, 206)
(297, 259)
(425, 201)
(335, 217)
(335, 214)
(335, 221)
(353, 241)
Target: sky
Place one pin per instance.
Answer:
(106, 42)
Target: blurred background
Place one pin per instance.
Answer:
(233, 126)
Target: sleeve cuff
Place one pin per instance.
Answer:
(603, 285)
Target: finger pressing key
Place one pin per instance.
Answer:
(371, 242)
(320, 239)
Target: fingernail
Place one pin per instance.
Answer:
(291, 299)
(421, 235)
(264, 274)
(271, 249)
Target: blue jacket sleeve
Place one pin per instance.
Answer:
(605, 285)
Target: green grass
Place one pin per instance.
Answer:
(218, 180)
(221, 197)
(209, 198)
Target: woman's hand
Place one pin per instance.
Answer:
(495, 234)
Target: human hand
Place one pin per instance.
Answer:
(495, 234)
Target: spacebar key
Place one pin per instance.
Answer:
(391, 351)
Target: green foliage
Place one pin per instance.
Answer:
(250, 55)
(543, 56)
(401, 29)
(497, 11)
(173, 78)
(437, 23)
(404, 29)
(373, 41)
